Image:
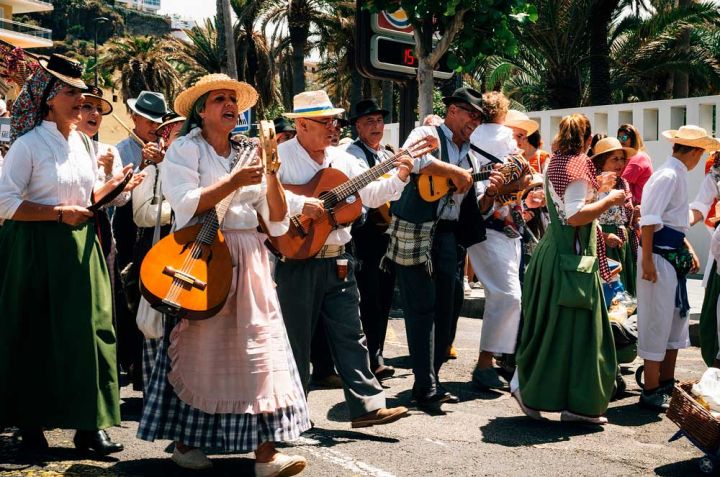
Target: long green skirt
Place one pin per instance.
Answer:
(708, 318)
(566, 357)
(623, 255)
(57, 344)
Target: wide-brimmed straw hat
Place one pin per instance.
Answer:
(96, 93)
(610, 144)
(693, 136)
(313, 104)
(65, 69)
(520, 120)
(246, 94)
(170, 118)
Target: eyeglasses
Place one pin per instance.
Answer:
(473, 113)
(89, 108)
(623, 137)
(328, 123)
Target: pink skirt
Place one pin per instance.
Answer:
(237, 361)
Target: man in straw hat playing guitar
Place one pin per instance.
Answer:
(664, 260)
(325, 284)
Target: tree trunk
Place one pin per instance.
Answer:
(220, 28)
(229, 40)
(356, 82)
(600, 89)
(425, 88)
(298, 40)
(387, 99)
(565, 90)
(681, 85)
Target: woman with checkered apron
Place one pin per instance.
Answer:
(566, 356)
(228, 383)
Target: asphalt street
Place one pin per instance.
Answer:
(485, 434)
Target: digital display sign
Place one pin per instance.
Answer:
(398, 55)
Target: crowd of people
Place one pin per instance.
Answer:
(541, 231)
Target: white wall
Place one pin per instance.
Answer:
(651, 119)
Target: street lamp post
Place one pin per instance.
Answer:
(96, 22)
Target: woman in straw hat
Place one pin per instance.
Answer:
(57, 344)
(229, 382)
(664, 261)
(609, 159)
(564, 311)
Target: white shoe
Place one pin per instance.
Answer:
(466, 286)
(282, 465)
(193, 459)
(531, 413)
(567, 416)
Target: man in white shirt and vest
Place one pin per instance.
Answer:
(318, 286)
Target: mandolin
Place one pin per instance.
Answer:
(433, 188)
(342, 204)
(188, 273)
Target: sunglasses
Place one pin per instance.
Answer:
(623, 137)
(328, 123)
(473, 113)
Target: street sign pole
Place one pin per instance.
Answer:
(408, 100)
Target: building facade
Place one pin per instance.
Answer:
(20, 34)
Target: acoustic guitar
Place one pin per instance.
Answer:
(188, 273)
(433, 188)
(341, 201)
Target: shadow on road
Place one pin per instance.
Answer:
(686, 468)
(222, 467)
(631, 415)
(519, 431)
(333, 437)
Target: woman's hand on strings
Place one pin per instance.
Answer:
(249, 175)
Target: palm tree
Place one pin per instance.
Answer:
(201, 55)
(145, 63)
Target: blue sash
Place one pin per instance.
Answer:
(678, 255)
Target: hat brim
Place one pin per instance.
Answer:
(154, 118)
(74, 82)
(527, 125)
(178, 119)
(107, 107)
(384, 113)
(708, 143)
(448, 100)
(629, 152)
(246, 94)
(315, 114)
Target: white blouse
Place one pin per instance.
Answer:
(45, 168)
(665, 198)
(100, 149)
(190, 165)
(146, 198)
(708, 192)
(577, 194)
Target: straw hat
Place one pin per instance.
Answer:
(65, 69)
(520, 120)
(611, 144)
(246, 94)
(170, 118)
(96, 93)
(312, 104)
(693, 136)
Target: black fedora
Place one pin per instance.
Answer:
(283, 125)
(365, 107)
(65, 69)
(150, 105)
(465, 95)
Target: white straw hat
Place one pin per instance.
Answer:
(246, 94)
(310, 104)
(520, 120)
(693, 136)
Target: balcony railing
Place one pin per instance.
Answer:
(25, 29)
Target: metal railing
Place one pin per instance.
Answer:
(25, 29)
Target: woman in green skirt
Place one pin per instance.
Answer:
(566, 357)
(57, 344)
(609, 157)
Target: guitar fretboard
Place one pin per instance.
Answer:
(482, 174)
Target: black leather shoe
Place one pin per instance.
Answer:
(33, 439)
(384, 372)
(97, 441)
(433, 401)
(451, 398)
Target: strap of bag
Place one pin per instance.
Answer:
(487, 155)
(158, 184)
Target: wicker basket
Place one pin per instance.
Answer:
(695, 420)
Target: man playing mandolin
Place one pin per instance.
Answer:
(326, 282)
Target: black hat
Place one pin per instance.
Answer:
(283, 125)
(97, 93)
(150, 105)
(365, 107)
(170, 118)
(65, 69)
(465, 95)
(343, 123)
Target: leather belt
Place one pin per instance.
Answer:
(330, 251)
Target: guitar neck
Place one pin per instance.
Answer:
(482, 174)
(358, 182)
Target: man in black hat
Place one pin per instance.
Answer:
(284, 130)
(369, 239)
(428, 259)
(146, 111)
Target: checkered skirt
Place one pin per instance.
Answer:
(165, 416)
